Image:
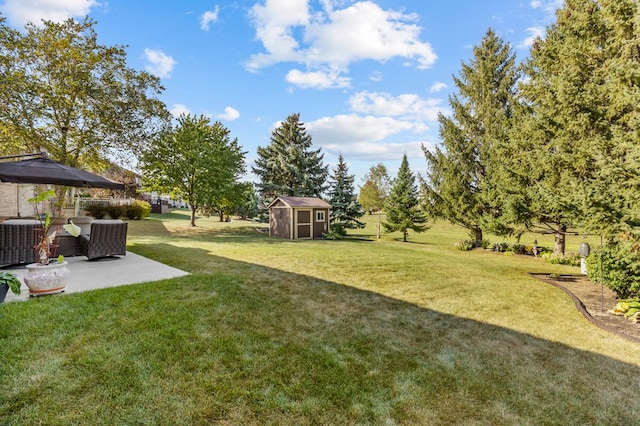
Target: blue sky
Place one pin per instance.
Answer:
(367, 77)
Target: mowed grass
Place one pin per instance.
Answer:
(358, 331)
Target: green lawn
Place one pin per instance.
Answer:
(356, 331)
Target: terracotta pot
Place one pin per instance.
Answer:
(47, 279)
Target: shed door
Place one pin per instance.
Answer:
(303, 223)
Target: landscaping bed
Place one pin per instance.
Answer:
(594, 301)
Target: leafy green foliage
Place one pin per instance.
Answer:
(465, 245)
(139, 209)
(402, 205)
(617, 265)
(629, 308)
(345, 208)
(459, 184)
(10, 279)
(375, 188)
(288, 166)
(62, 91)
(569, 258)
(196, 161)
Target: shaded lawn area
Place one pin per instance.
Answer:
(315, 332)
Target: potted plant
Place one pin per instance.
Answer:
(8, 281)
(44, 276)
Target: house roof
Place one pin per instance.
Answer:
(302, 202)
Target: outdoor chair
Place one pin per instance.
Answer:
(107, 238)
(17, 241)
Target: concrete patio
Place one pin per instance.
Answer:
(102, 273)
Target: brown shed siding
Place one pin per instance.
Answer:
(280, 222)
(298, 217)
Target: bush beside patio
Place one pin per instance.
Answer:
(315, 332)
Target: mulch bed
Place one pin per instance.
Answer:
(594, 301)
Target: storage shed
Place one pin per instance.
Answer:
(296, 218)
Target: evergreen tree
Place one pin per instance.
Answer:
(288, 166)
(402, 205)
(573, 158)
(345, 208)
(459, 184)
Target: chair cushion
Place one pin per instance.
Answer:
(21, 222)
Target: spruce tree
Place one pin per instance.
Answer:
(288, 166)
(572, 162)
(402, 205)
(459, 185)
(345, 208)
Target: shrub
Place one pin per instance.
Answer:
(336, 232)
(138, 210)
(617, 265)
(518, 249)
(570, 258)
(485, 244)
(96, 210)
(465, 245)
(115, 211)
(500, 247)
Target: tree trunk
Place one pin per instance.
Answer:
(193, 215)
(477, 235)
(221, 215)
(379, 228)
(559, 241)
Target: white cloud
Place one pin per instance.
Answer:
(230, 114)
(180, 109)
(550, 6)
(208, 17)
(159, 63)
(376, 76)
(407, 106)
(534, 33)
(352, 128)
(375, 152)
(335, 38)
(19, 12)
(437, 86)
(317, 79)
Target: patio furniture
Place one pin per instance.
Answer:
(107, 238)
(68, 245)
(17, 241)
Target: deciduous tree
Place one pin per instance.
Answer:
(375, 189)
(196, 161)
(62, 91)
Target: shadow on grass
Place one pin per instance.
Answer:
(243, 343)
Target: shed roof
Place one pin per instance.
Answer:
(302, 202)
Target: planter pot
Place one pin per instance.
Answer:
(46, 279)
(3, 292)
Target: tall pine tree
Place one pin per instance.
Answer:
(402, 205)
(345, 208)
(458, 185)
(288, 166)
(573, 161)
